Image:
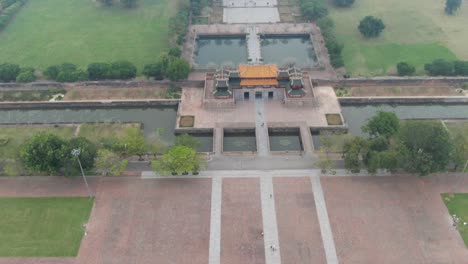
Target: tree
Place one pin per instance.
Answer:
(451, 6)
(105, 2)
(187, 141)
(314, 10)
(98, 71)
(134, 142)
(109, 163)
(179, 69)
(371, 27)
(178, 159)
(384, 124)
(460, 68)
(128, 3)
(9, 72)
(122, 70)
(88, 153)
(344, 3)
(440, 67)
(354, 152)
(326, 143)
(44, 152)
(426, 147)
(155, 70)
(175, 52)
(405, 69)
(26, 76)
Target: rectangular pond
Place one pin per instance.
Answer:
(286, 49)
(239, 140)
(215, 51)
(285, 139)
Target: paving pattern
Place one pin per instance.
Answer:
(233, 219)
(253, 45)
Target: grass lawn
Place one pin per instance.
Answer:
(458, 204)
(97, 132)
(416, 31)
(47, 32)
(42, 227)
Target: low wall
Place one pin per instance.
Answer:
(393, 81)
(402, 100)
(107, 84)
(88, 104)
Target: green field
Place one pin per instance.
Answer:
(416, 31)
(47, 32)
(458, 204)
(42, 227)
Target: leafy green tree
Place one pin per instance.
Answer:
(88, 152)
(440, 67)
(98, 71)
(460, 68)
(314, 10)
(344, 3)
(154, 70)
(179, 69)
(426, 147)
(354, 152)
(451, 6)
(109, 164)
(371, 27)
(178, 159)
(44, 152)
(175, 52)
(26, 76)
(52, 71)
(122, 70)
(461, 152)
(134, 142)
(187, 141)
(405, 69)
(384, 124)
(9, 72)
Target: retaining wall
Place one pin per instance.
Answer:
(89, 104)
(402, 100)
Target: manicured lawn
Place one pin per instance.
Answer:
(416, 31)
(42, 227)
(47, 32)
(17, 135)
(458, 204)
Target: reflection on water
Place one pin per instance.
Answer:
(284, 50)
(221, 51)
(285, 142)
(239, 142)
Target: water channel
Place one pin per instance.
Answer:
(282, 50)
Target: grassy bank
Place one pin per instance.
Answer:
(42, 227)
(457, 204)
(48, 32)
(416, 31)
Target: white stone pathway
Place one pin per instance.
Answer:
(324, 221)
(270, 226)
(263, 144)
(253, 45)
(215, 222)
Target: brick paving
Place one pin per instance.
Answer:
(241, 222)
(394, 219)
(397, 219)
(299, 231)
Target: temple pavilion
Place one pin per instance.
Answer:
(258, 76)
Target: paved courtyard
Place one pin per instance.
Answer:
(259, 219)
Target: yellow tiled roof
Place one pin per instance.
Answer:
(258, 71)
(259, 82)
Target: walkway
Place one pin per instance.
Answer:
(253, 45)
(261, 128)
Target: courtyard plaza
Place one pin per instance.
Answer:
(284, 216)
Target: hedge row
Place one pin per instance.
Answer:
(317, 10)
(10, 8)
(67, 72)
(442, 67)
(13, 72)
(178, 24)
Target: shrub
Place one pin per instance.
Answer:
(26, 77)
(43, 153)
(178, 69)
(155, 70)
(10, 8)
(313, 10)
(440, 67)
(371, 27)
(405, 69)
(343, 3)
(460, 68)
(451, 6)
(175, 52)
(98, 71)
(122, 70)
(9, 72)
